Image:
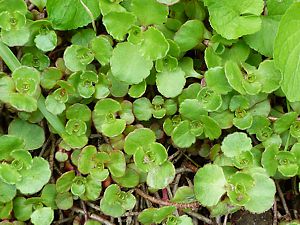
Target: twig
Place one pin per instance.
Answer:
(183, 170)
(51, 157)
(200, 217)
(65, 220)
(45, 145)
(93, 216)
(176, 183)
(281, 196)
(193, 205)
(90, 14)
(85, 211)
(275, 213)
(273, 119)
(225, 219)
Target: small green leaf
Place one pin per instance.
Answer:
(138, 139)
(77, 57)
(149, 12)
(26, 131)
(155, 215)
(8, 192)
(142, 109)
(128, 64)
(34, 178)
(209, 184)
(161, 176)
(236, 143)
(167, 88)
(216, 80)
(71, 14)
(182, 135)
(189, 35)
(233, 19)
(42, 216)
(102, 49)
(261, 195)
(118, 24)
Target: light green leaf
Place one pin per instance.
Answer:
(287, 58)
(269, 76)
(263, 40)
(161, 176)
(189, 35)
(216, 80)
(236, 143)
(42, 216)
(118, 23)
(182, 135)
(8, 192)
(234, 76)
(209, 184)
(233, 18)
(26, 131)
(149, 12)
(261, 195)
(128, 64)
(167, 88)
(154, 44)
(137, 139)
(102, 49)
(34, 178)
(71, 14)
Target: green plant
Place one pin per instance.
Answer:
(107, 103)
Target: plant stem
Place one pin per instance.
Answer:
(52, 119)
(8, 57)
(13, 63)
(281, 196)
(200, 217)
(166, 203)
(93, 216)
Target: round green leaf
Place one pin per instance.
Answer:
(216, 80)
(154, 44)
(34, 178)
(26, 131)
(102, 49)
(42, 216)
(161, 176)
(261, 195)
(189, 35)
(77, 57)
(209, 184)
(71, 14)
(22, 209)
(149, 12)
(118, 24)
(239, 18)
(167, 88)
(8, 192)
(236, 143)
(46, 41)
(138, 139)
(182, 135)
(142, 109)
(128, 64)
(64, 200)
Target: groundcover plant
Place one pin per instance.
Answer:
(174, 112)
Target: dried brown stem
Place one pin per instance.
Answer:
(281, 196)
(193, 205)
(93, 216)
(200, 217)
